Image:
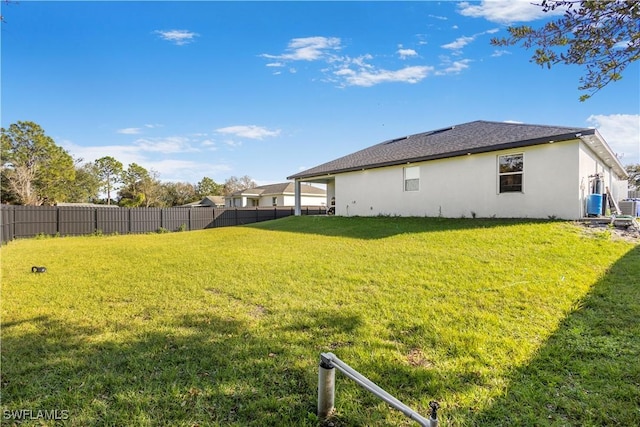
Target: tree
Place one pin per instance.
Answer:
(178, 193)
(110, 173)
(86, 186)
(35, 170)
(604, 36)
(233, 184)
(7, 195)
(208, 187)
(634, 176)
(141, 187)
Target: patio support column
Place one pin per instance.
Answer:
(297, 197)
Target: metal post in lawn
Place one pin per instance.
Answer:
(326, 387)
(326, 391)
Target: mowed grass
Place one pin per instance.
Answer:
(503, 322)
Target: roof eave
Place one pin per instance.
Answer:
(599, 146)
(452, 154)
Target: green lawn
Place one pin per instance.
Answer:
(505, 323)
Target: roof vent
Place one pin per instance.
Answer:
(396, 140)
(434, 132)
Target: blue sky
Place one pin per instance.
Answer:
(266, 89)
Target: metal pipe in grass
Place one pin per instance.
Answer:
(326, 388)
(326, 391)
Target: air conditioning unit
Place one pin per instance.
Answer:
(630, 207)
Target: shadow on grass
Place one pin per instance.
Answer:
(205, 369)
(588, 372)
(382, 226)
(200, 370)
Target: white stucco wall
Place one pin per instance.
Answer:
(289, 200)
(306, 200)
(464, 186)
(590, 164)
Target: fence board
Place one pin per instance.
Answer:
(144, 220)
(112, 220)
(6, 216)
(173, 219)
(76, 221)
(29, 221)
(33, 220)
(201, 218)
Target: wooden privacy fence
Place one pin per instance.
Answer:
(31, 221)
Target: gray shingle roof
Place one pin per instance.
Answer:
(468, 138)
(280, 188)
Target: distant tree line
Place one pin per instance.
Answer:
(36, 171)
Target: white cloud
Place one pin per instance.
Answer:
(184, 170)
(498, 53)
(307, 49)
(209, 144)
(166, 145)
(251, 131)
(129, 131)
(345, 70)
(126, 154)
(177, 37)
(407, 53)
(459, 43)
(160, 157)
(505, 11)
(454, 67)
(232, 143)
(366, 78)
(622, 133)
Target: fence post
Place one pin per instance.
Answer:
(13, 235)
(326, 387)
(57, 220)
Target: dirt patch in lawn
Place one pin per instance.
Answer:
(606, 230)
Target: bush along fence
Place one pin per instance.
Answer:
(31, 221)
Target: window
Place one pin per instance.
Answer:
(510, 173)
(274, 201)
(412, 178)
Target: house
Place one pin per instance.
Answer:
(282, 194)
(481, 168)
(207, 202)
(84, 205)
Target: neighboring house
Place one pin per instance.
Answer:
(85, 205)
(207, 202)
(282, 194)
(481, 168)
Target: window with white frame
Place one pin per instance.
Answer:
(412, 178)
(274, 201)
(510, 173)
